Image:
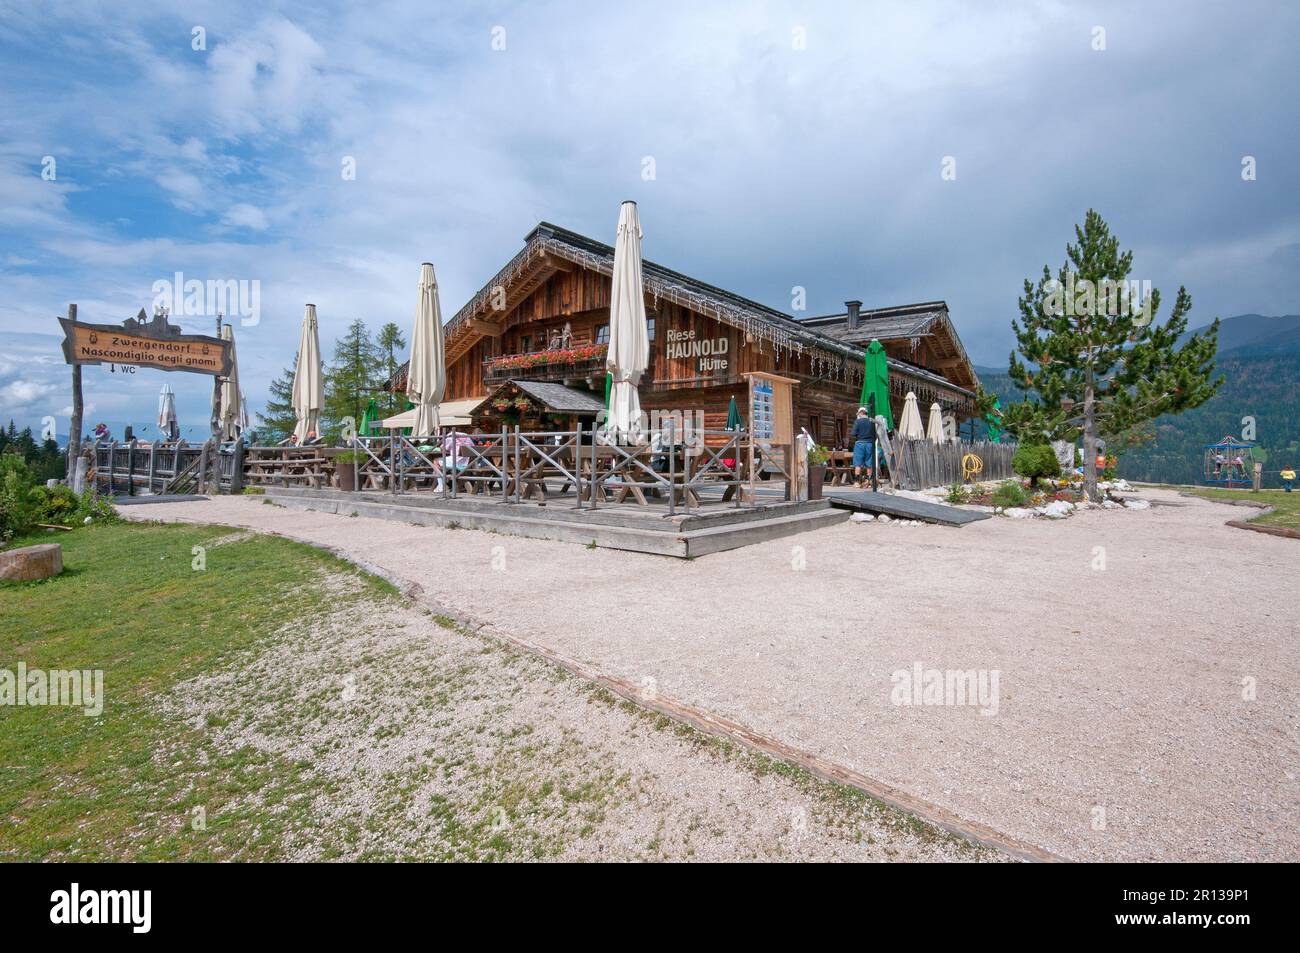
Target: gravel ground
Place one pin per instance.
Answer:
(1146, 660)
(426, 741)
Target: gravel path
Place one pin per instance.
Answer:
(424, 741)
(1146, 660)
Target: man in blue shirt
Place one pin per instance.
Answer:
(864, 447)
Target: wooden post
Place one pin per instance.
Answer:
(153, 463)
(176, 464)
(130, 467)
(505, 466)
(74, 429)
(237, 469)
(200, 485)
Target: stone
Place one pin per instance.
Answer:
(884, 518)
(1019, 513)
(1137, 504)
(1057, 510)
(1110, 504)
(862, 518)
(31, 562)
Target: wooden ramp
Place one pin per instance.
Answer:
(902, 507)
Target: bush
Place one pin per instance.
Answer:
(56, 504)
(17, 507)
(1035, 461)
(956, 494)
(1010, 493)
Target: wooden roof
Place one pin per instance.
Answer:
(549, 249)
(556, 398)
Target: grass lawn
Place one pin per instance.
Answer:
(129, 602)
(1286, 505)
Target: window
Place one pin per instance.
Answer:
(650, 327)
(525, 344)
(602, 334)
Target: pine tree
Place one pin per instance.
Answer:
(1092, 358)
(278, 420)
(390, 342)
(351, 380)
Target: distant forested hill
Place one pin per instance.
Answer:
(1259, 359)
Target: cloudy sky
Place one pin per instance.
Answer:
(790, 144)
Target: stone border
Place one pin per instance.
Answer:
(1264, 509)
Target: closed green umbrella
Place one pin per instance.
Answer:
(993, 420)
(875, 381)
(368, 419)
(734, 422)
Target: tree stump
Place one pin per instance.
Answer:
(31, 562)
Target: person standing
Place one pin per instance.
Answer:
(864, 447)
(1288, 477)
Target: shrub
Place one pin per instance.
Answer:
(1035, 461)
(56, 504)
(17, 506)
(956, 494)
(349, 457)
(1010, 493)
(818, 456)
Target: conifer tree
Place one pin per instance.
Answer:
(1092, 356)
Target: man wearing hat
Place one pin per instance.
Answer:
(864, 447)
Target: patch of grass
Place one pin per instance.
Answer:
(1286, 505)
(74, 787)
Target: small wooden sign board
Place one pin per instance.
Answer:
(157, 343)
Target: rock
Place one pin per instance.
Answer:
(1137, 504)
(1019, 513)
(862, 518)
(1057, 510)
(31, 562)
(883, 517)
(1109, 505)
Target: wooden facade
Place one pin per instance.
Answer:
(545, 317)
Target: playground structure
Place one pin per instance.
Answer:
(1228, 463)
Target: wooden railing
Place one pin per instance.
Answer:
(159, 468)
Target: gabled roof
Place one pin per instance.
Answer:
(554, 397)
(548, 247)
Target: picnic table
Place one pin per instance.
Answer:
(287, 465)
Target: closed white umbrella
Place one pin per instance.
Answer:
(629, 339)
(426, 378)
(934, 426)
(167, 412)
(909, 425)
(308, 381)
(229, 411)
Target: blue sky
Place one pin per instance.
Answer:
(794, 144)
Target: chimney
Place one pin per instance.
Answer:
(853, 307)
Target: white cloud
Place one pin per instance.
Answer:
(243, 215)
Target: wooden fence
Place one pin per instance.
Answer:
(924, 464)
(131, 468)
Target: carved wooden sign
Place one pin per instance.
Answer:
(146, 343)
